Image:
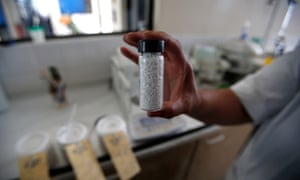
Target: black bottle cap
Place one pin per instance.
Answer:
(151, 46)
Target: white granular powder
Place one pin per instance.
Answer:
(151, 81)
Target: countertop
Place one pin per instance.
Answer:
(40, 113)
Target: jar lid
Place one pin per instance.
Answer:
(32, 143)
(151, 46)
(71, 133)
(111, 124)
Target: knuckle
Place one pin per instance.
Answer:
(178, 43)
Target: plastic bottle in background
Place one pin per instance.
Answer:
(245, 30)
(36, 31)
(279, 45)
(151, 69)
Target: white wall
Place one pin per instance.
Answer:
(221, 17)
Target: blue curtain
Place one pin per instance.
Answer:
(72, 6)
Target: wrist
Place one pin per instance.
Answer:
(194, 105)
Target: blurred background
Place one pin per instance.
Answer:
(76, 42)
(84, 17)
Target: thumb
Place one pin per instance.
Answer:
(169, 109)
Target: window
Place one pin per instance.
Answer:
(61, 18)
(3, 27)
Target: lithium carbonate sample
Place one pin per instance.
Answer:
(151, 68)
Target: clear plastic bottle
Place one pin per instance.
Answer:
(151, 72)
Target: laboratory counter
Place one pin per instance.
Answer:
(39, 113)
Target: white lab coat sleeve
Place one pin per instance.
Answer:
(265, 93)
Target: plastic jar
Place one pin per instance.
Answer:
(151, 73)
(109, 125)
(36, 142)
(70, 134)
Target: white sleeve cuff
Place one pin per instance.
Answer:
(251, 101)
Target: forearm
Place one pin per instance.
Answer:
(219, 107)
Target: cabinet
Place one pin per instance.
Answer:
(171, 164)
(216, 152)
(207, 158)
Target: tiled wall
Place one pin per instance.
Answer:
(82, 60)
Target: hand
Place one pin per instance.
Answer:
(180, 94)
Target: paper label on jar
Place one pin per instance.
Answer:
(84, 161)
(34, 167)
(121, 154)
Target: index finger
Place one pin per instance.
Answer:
(133, 38)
